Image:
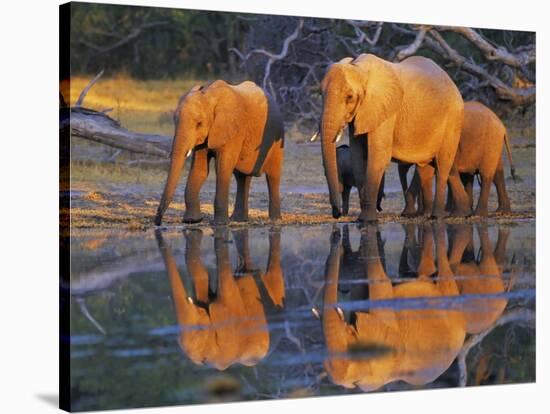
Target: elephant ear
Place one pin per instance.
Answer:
(383, 93)
(226, 116)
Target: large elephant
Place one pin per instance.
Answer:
(389, 343)
(242, 128)
(225, 323)
(410, 112)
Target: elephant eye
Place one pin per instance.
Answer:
(349, 98)
(199, 124)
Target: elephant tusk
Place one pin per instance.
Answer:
(190, 299)
(340, 312)
(339, 136)
(314, 137)
(188, 153)
(316, 313)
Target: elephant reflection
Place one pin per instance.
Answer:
(224, 324)
(394, 341)
(481, 276)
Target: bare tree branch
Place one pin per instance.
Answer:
(361, 35)
(87, 88)
(411, 49)
(519, 96)
(273, 57)
(493, 53)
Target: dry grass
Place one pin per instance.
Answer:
(144, 106)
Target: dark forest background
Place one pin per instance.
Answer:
(289, 55)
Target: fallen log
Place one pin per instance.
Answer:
(97, 126)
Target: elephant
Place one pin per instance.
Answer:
(225, 324)
(347, 179)
(410, 112)
(390, 343)
(479, 153)
(241, 127)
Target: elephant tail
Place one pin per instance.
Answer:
(509, 152)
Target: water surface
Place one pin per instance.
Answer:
(197, 316)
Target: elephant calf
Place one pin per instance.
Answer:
(242, 128)
(480, 152)
(347, 180)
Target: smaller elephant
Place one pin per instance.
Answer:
(480, 153)
(347, 180)
(241, 127)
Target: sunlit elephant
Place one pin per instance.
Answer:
(410, 112)
(225, 324)
(480, 152)
(391, 342)
(480, 276)
(347, 179)
(242, 128)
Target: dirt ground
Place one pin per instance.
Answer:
(122, 196)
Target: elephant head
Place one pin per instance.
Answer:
(365, 91)
(218, 328)
(205, 115)
(391, 342)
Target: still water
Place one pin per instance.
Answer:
(211, 315)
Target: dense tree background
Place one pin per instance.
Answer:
(288, 55)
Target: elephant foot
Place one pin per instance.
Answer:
(367, 218)
(461, 213)
(220, 221)
(409, 213)
(158, 220)
(239, 217)
(191, 219)
(336, 212)
(481, 212)
(438, 214)
(503, 210)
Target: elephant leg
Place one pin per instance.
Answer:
(449, 205)
(273, 183)
(240, 212)
(425, 178)
(197, 176)
(403, 169)
(461, 201)
(345, 200)
(381, 193)
(224, 170)
(468, 182)
(503, 200)
(482, 208)
(370, 191)
(379, 146)
(358, 152)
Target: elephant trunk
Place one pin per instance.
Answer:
(177, 159)
(329, 132)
